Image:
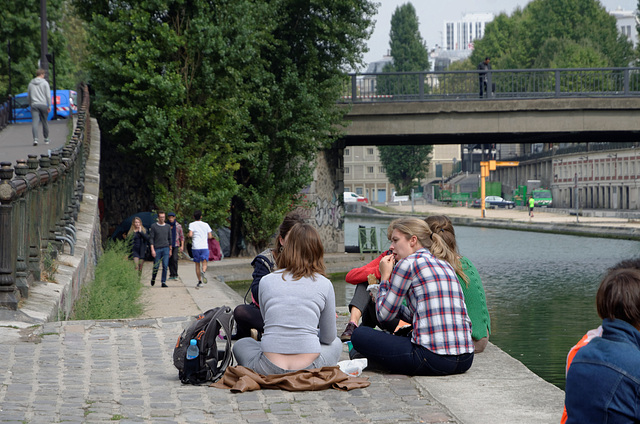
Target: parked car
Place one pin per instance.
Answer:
(476, 203)
(396, 198)
(66, 104)
(351, 197)
(498, 202)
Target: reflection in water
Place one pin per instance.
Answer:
(540, 290)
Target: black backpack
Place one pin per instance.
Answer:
(212, 362)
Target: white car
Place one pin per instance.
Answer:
(351, 197)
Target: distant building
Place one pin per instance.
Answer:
(626, 22)
(459, 35)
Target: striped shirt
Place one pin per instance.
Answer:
(435, 303)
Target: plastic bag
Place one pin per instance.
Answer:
(353, 367)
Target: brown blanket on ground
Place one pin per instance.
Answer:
(241, 379)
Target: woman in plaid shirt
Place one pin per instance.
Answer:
(440, 343)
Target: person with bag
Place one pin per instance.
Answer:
(248, 317)
(297, 303)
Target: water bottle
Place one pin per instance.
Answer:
(192, 351)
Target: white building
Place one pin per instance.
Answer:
(626, 22)
(459, 35)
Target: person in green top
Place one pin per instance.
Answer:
(469, 279)
(532, 203)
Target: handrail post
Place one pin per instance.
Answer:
(354, 88)
(8, 298)
(557, 75)
(421, 77)
(626, 82)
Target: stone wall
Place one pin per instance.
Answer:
(53, 301)
(325, 196)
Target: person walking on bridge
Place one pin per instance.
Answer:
(482, 76)
(39, 95)
(532, 203)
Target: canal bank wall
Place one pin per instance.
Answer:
(497, 389)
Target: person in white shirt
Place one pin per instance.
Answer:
(200, 233)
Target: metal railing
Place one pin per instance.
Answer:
(6, 115)
(39, 203)
(496, 84)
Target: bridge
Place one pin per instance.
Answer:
(522, 106)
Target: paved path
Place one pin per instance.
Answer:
(121, 370)
(16, 141)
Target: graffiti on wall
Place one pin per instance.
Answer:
(329, 213)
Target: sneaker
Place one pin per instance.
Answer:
(46, 141)
(204, 279)
(153, 283)
(346, 334)
(35, 141)
(164, 285)
(199, 284)
(173, 278)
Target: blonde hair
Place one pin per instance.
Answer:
(133, 228)
(427, 238)
(303, 253)
(442, 226)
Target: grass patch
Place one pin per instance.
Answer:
(115, 292)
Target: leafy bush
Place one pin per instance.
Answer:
(115, 292)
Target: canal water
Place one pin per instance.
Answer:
(540, 288)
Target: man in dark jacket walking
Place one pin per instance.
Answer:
(39, 95)
(482, 76)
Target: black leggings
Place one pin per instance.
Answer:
(362, 300)
(248, 317)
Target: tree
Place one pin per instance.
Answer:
(404, 164)
(20, 26)
(582, 29)
(409, 52)
(226, 103)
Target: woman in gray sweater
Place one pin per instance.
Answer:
(297, 303)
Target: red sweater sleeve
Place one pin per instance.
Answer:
(359, 275)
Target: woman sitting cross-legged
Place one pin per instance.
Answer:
(298, 305)
(440, 343)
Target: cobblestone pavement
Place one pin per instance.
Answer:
(121, 371)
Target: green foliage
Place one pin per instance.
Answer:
(115, 291)
(554, 33)
(404, 164)
(20, 25)
(409, 52)
(226, 103)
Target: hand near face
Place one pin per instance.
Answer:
(386, 266)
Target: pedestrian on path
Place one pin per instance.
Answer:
(177, 245)
(200, 232)
(160, 240)
(39, 95)
(139, 242)
(532, 203)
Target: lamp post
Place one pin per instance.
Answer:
(51, 58)
(43, 35)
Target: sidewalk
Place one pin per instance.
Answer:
(121, 370)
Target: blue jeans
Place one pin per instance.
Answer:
(399, 355)
(162, 254)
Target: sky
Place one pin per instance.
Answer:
(433, 14)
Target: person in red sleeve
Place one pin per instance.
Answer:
(361, 305)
